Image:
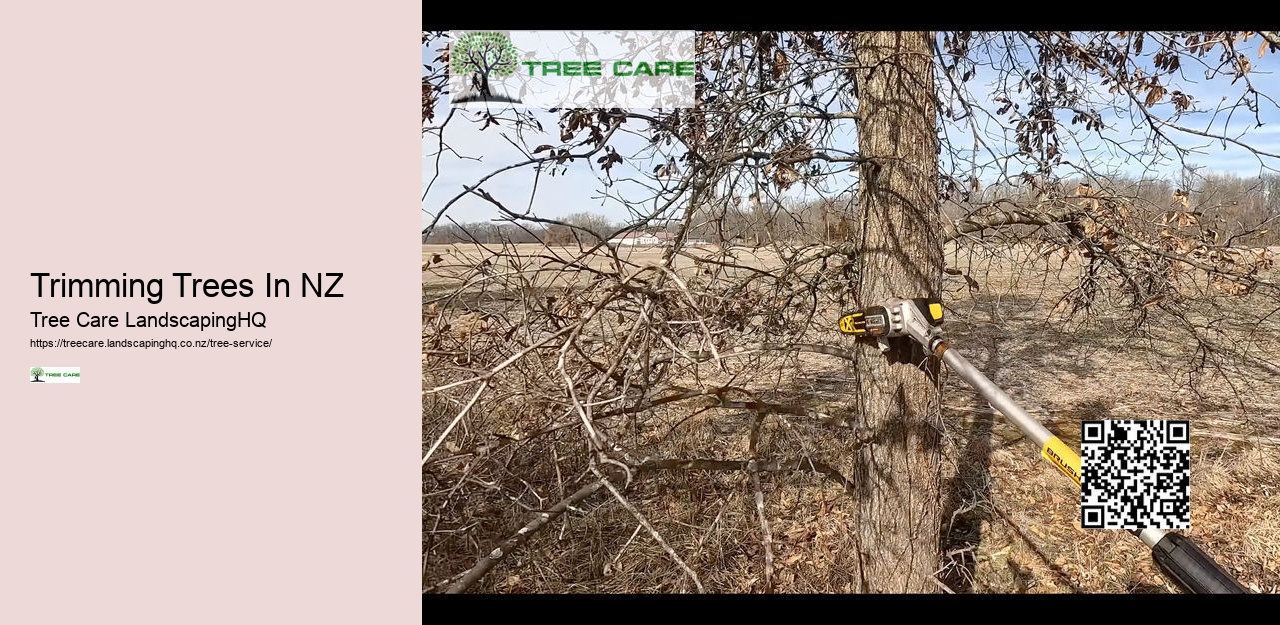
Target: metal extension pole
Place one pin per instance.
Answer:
(921, 319)
(1176, 555)
(998, 399)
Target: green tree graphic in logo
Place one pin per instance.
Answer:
(480, 55)
(36, 372)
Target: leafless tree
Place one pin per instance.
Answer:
(570, 377)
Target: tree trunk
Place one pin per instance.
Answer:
(898, 475)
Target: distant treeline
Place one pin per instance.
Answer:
(1232, 205)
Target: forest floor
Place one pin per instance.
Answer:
(1011, 522)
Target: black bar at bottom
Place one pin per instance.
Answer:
(1196, 572)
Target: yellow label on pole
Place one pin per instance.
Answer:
(935, 310)
(848, 323)
(1063, 457)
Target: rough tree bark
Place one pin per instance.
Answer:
(899, 236)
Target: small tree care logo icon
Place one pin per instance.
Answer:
(54, 375)
(481, 56)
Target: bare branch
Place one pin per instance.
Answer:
(475, 573)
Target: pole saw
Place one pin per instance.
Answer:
(920, 320)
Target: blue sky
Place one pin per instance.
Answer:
(580, 187)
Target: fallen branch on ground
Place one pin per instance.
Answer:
(541, 520)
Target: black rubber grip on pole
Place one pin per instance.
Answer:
(1192, 569)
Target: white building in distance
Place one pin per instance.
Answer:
(650, 239)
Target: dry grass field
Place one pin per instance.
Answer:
(459, 259)
(1012, 523)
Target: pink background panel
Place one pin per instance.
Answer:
(276, 485)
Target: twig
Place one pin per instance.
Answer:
(766, 535)
(796, 411)
(624, 547)
(804, 463)
(747, 350)
(943, 586)
(461, 413)
(449, 580)
(521, 536)
(555, 458)
(652, 532)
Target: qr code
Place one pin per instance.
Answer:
(1135, 474)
